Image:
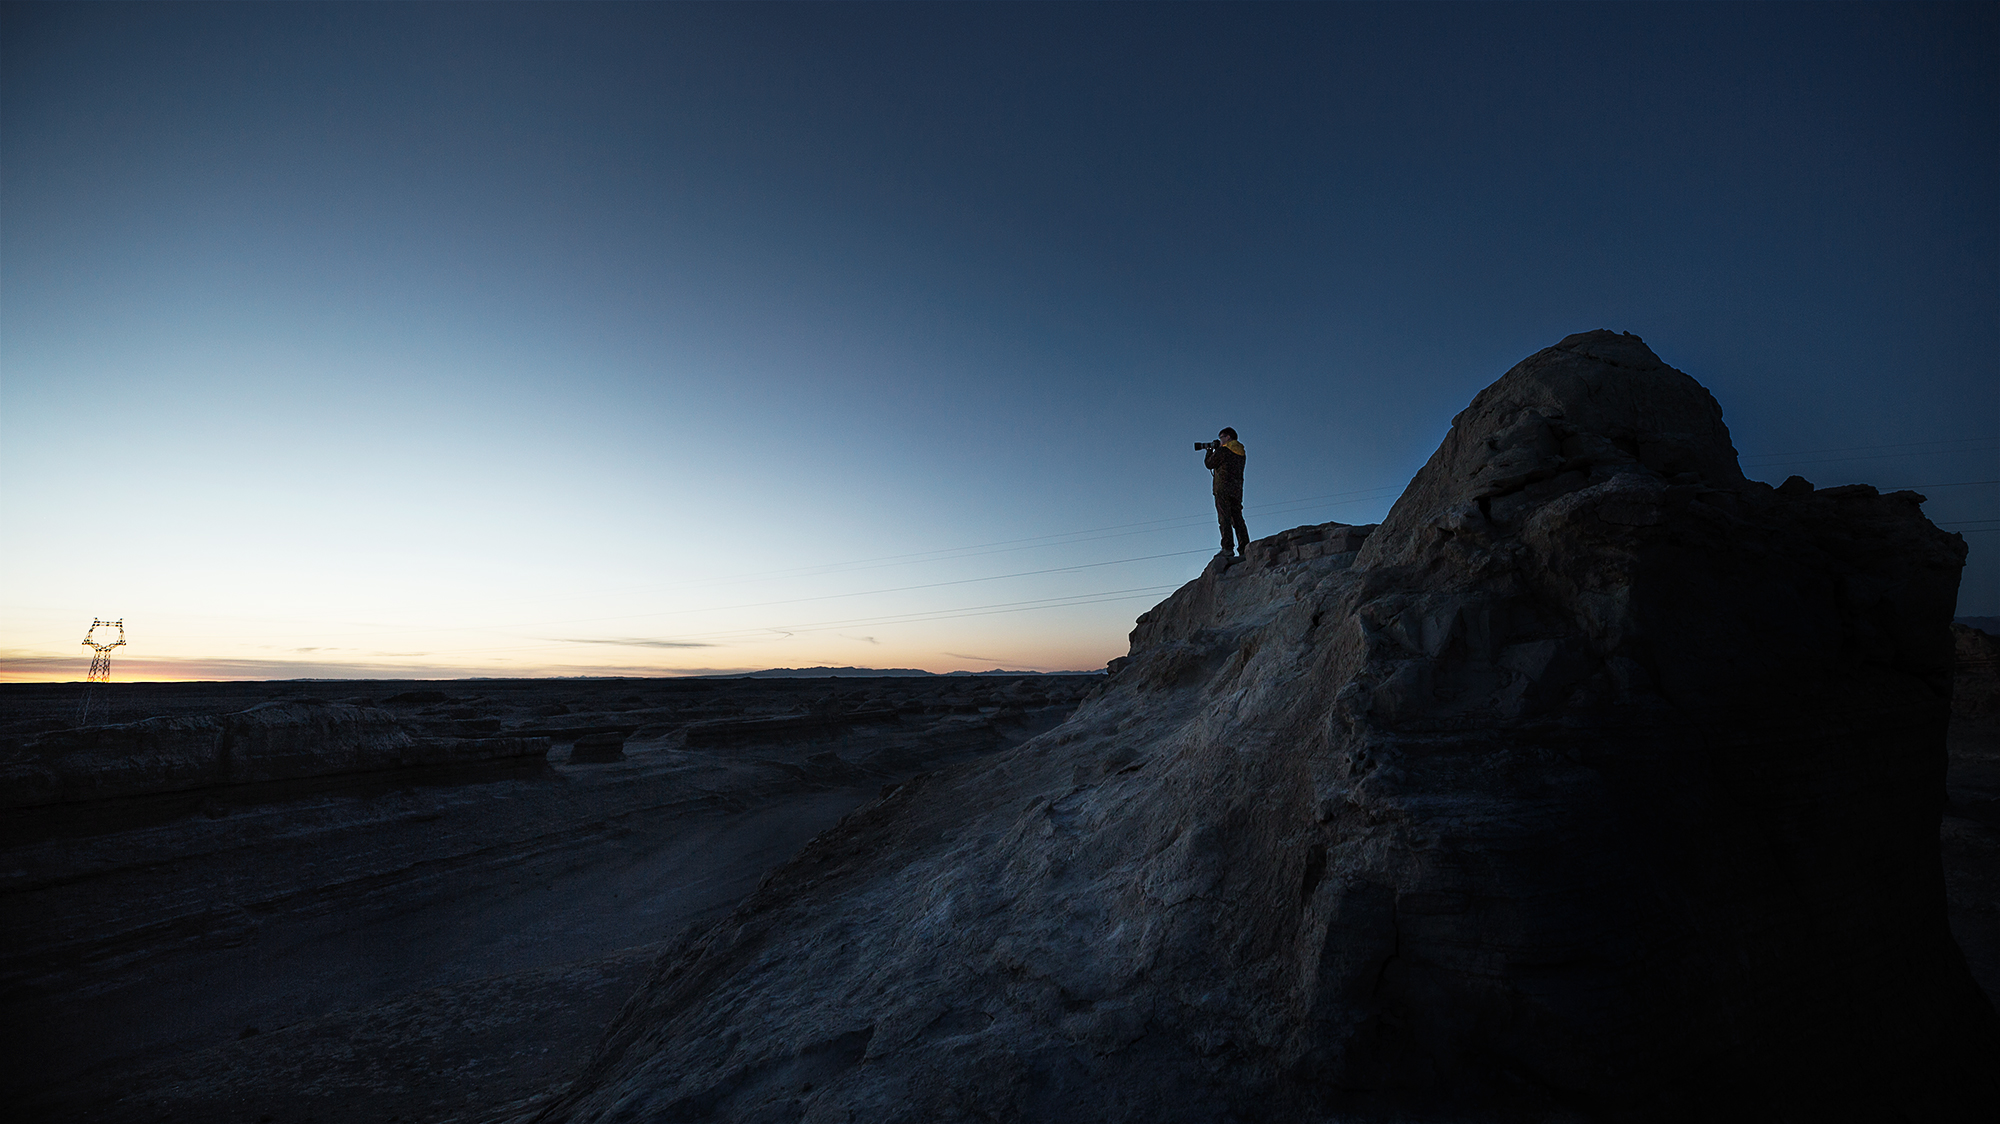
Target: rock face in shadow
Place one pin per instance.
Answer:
(1976, 688)
(1970, 835)
(598, 749)
(1599, 781)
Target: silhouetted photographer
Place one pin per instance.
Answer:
(1225, 461)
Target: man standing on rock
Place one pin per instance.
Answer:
(1225, 459)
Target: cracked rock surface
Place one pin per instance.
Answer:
(1598, 782)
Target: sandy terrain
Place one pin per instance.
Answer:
(431, 946)
(426, 945)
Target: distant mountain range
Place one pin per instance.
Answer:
(876, 673)
(1988, 625)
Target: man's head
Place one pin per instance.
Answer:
(1227, 434)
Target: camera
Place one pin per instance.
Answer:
(1207, 446)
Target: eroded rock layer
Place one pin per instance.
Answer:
(1598, 779)
(251, 886)
(277, 741)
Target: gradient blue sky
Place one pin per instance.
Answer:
(462, 339)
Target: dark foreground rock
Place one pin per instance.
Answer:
(1600, 783)
(1970, 835)
(1975, 689)
(419, 941)
(598, 749)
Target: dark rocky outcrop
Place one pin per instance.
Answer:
(598, 749)
(1970, 835)
(1975, 691)
(744, 731)
(1599, 782)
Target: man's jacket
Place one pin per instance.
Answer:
(1227, 465)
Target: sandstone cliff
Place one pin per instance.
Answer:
(1597, 781)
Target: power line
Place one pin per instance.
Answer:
(947, 614)
(1121, 530)
(996, 609)
(1869, 448)
(1271, 508)
(1183, 521)
(927, 615)
(944, 555)
(1850, 460)
(1091, 534)
(834, 596)
(932, 585)
(1101, 533)
(922, 616)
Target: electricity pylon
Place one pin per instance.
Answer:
(100, 663)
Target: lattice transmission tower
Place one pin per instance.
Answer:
(100, 663)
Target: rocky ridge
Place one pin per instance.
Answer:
(1598, 781)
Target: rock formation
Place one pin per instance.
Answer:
(1970, 834)
(1975, 689)
(1600, 781)
(598, 749)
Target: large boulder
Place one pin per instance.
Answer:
(1600, 782)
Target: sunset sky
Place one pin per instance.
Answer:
(443, 340)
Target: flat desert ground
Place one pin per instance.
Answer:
(425, 944)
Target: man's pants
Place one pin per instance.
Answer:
(1229, 515)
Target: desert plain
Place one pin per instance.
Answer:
(437, 941)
